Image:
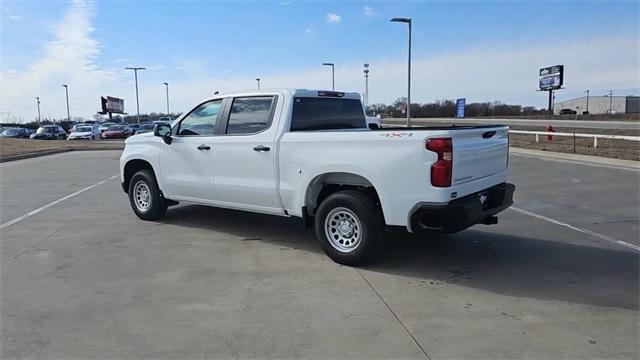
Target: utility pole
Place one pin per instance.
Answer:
(587, 109)
(258, 80)
(135, 71)
(366, 86)
(38, 102)
(166, 84)
(610, 102)
(66, 90)
(408, 21)
(333, 75)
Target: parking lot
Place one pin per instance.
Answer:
(82, 277)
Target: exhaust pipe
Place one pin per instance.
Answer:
(490, 220)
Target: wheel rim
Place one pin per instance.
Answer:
(343, 230)
(142, 196)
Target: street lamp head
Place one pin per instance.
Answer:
(64, 85)
(404, 20)
(135, 68)
(327, 64)
(257, 79)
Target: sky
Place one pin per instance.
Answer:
(479, 50)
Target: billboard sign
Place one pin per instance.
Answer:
(550, 82)
(556, 69)
(551, 77)
(112, 105)
(460, 107)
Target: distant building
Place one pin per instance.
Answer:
(601, 104)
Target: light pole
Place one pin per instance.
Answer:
(408, 21)
(610, 102)
(366, 86)
(587, 109)
(333, 75)
(258, 80)
(38, 103)
(166, 84)
(66, 90)
(135, 71)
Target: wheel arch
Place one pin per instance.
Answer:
(323, 185)
(133, 166)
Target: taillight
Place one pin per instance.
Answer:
(441, 169)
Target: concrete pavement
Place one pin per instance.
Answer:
(86, 279)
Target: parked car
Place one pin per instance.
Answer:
(15, 132)
(134, 128)
(49, 132)
(117, 132)
(568, 112)
(105, 125)
(84, 132)
(145, 127)
(310, 154)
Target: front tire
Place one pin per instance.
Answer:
(349, 227)
(144, 196)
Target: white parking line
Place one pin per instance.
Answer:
(584, 231)
(29, 214)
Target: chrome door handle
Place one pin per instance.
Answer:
(204, 147)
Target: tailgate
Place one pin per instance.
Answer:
(479, 152)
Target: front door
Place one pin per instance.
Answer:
(244, 157)
(187, 163)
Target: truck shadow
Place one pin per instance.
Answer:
(546, 269)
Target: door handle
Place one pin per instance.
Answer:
(261, 148)
(204, 147)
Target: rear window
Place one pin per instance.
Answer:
(311, 113)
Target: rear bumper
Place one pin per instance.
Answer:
(459, 214)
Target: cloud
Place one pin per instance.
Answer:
(284, 3)
(15, 17)
(68, 59)
(486, 73)
(367, 11)
(483, 74)
(333, 18)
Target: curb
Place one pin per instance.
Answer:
(577, 158)
(49, 152)
(33, 155)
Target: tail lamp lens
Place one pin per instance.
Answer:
(441, 169)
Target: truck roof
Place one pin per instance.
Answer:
(293, 92)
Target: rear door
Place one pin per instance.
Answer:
(244, 157)
(478, 153)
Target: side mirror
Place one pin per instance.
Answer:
(163, 131)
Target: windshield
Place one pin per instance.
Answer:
(83, 129)
(10, 131)
(44, 130)
(146, 127)
(106, 124)
(115, 128)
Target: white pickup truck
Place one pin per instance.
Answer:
(310, 154)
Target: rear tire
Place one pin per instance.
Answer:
(144, 196)
(349, 227)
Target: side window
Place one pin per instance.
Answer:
(250, 115)
(201, 121)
